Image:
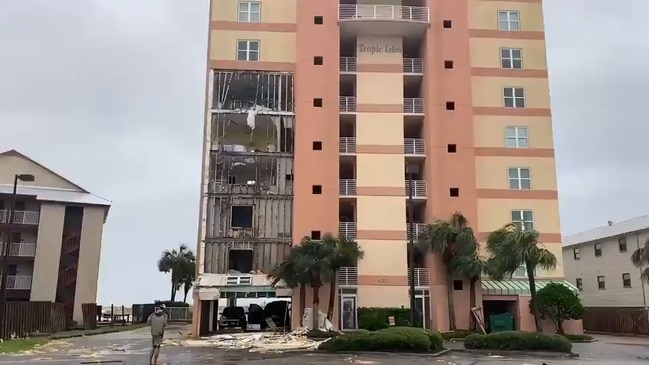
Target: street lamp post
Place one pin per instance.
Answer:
(411, 170)
(5, 251)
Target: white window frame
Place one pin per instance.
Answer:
(246, 15)
(510, 58)
(247, 50)
(517, 101)
(519, 179)
(517, 137)
(579, 283)
(519, 219)
(603, 281)
(509, 24)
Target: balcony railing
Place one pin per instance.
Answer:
(383, 12)
(347, 145)
(22, 249)
(20, 217)
(347, 229)
(19, 282)
(413, 106)
(347, 276)
(414, 146)
(347, 187)
(421, 275)
(347, 64)
(413, 66)
(418, 228)
(348, 104)
(418, 188)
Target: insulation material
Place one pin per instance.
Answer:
(264, 92)
(266, 254)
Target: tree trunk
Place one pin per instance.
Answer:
(173, 291)
(535, 307)
(560, 327)
(332, 299)
(315, 310)
(302, 303)
(451, 305)
(472, 322)
(186, 289)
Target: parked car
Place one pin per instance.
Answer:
(233, 317)
(280, 312)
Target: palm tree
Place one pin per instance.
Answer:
(512, 247)
(640, 259)
(175, 262)
(318, 270)
(292, 273)
(471, 266)
(189, 274)
(449, 239)
(345, 253)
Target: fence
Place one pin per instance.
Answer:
(24, 318)
(617, 320)
(176, 313)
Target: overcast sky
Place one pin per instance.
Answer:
(110, 94)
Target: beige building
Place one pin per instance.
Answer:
(598, 262)
(56, 241)
(316, 111)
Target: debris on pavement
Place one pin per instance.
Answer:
(258, 342)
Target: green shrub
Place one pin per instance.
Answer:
(456, 334)
(512, 341)
(321, 335)
(374, 318)
(393, 339)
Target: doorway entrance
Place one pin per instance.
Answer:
(348, 309)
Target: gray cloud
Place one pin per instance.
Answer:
(110, 94)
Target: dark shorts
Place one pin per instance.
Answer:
(156, 340)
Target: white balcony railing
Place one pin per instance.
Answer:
(20, 217)
(413, 106)
(348, 104)
(347, 145)
(418, 188)
(418, 14)
(22, 249)
(414, 146)
(347, 187)
(20, 282)
(347, 276)
(413, 66)
(347, 229)
(421, 275)
(347, 64)
(418, 228)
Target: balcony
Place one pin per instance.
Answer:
(413, 66)
(383, 19)
(421, 275)
(22, 249)
(418, 228)
(348, 104)
(347, 64)
(413, 106)
(347, 187)
(414, 147)
(418, 188)
(347, 145)
(19, 282)
(20, 217)
(347, 276)
(347, 229)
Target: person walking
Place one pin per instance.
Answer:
(158, 322)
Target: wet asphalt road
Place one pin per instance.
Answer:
(133, 347)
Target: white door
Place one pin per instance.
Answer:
(420, 311)
(348, 312)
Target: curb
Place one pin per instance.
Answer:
(517, 353)
(383, 353)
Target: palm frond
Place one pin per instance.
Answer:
(640, 257)
(644, 276)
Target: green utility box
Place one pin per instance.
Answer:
(501, 322)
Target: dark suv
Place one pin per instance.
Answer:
(233, 317)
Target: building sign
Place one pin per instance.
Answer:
(378, 48)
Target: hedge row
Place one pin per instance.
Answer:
(393, 339)
(518, 341)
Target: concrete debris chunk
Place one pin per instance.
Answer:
(259, 342)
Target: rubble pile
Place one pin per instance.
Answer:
(259, 342)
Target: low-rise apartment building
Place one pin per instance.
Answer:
(55, 243)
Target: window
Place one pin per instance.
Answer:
(315, 235)
(448, 64)
(451, 148)
(509, 20)
(318, 60)
(249, 11)
(450, 105)
(454, 192)
(601, 283)
(318, 19)
(511, 58)
(317, 102)
(523, 219)
(247, 50)
(580, 284)
(516, 137)
(519, 178)
(458, 285)
(447, 24)
(241, 216)
(626, 280)
(622, 244)
(514, 97)
(575, 253)
(316, 189)
(317, 145)
(598, 249)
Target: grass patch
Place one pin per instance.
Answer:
(98, 331)
(21, 344)
(456, 335)
(579, 338)
(393, 339)
(518, 341)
